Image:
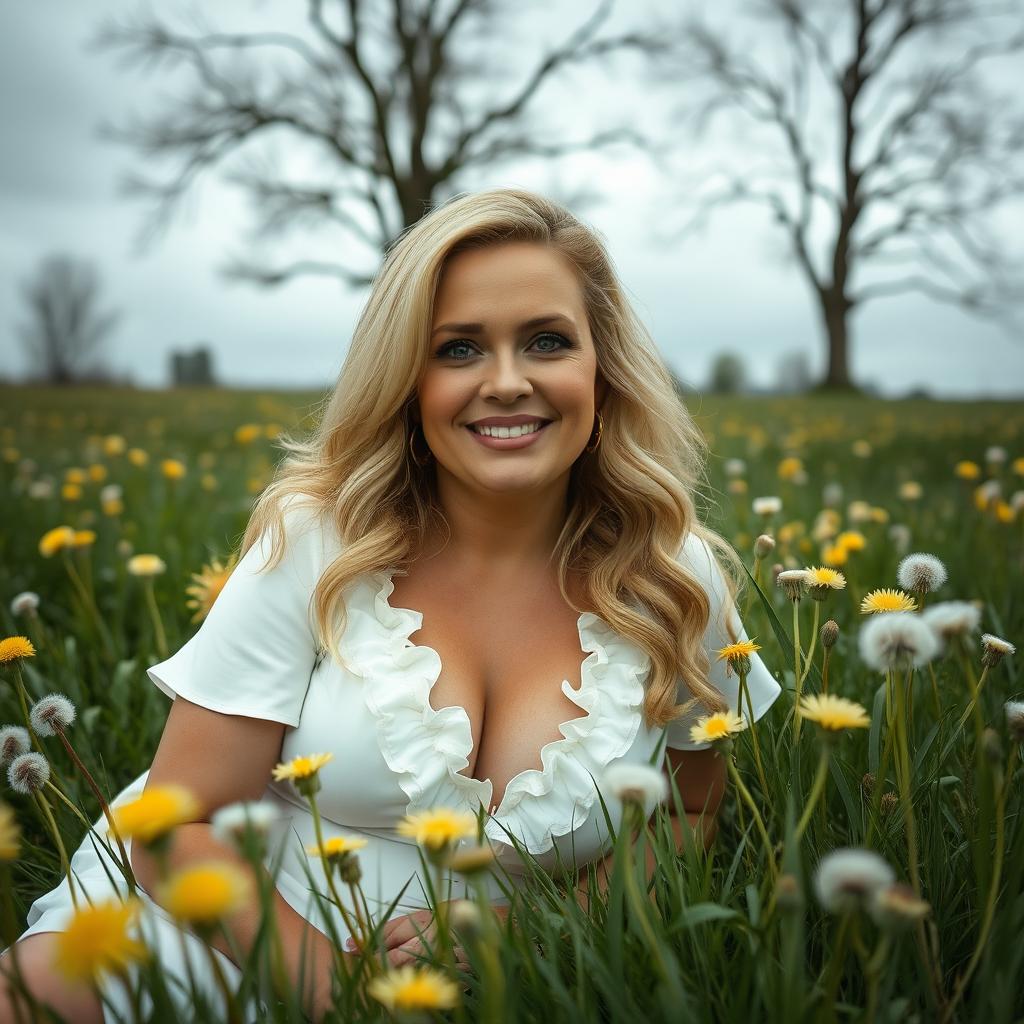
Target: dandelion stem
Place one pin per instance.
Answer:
(973, 706)
(814, 639)
(154, 614)
(104, 807)
(89, 603)
(65, 863)
(826, 658)
(745, 794)
(745, 694)
(903, 777)
(796, 666)
(817, 788)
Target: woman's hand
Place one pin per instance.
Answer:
(402, 936)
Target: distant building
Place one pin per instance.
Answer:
(192, 369)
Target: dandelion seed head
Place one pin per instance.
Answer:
(638, 783)
(899, 536)
(767, 505)
(896, 907)
(51, 714)
(25, 603)
(847, 878)
(995, 454)
(1014, 710)
(14, 741)
(28, 772)
(735, 467)
(897, 640)
(792, 582)
(994, 649)
(921, 573)
(229, 823)
(952, 618)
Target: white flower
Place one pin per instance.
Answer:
(994, 649)
(896, 908)
(921, 572)
(1015, 719)
(995, 453)
(859, 512)
(112, 492)
(767, 506)
(637, 782)
(464, 916)
(28, 772)
(899, 534)
(228, 823)
(25, 603)
(735, 467)
(41, 489)
(952, 618)
(832, 494)
(14, 741)
(847, 878)
(896, 640)
(791, 581)
(1017, 501)
(52, 713)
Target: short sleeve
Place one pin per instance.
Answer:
(255, 651)
(698, 558)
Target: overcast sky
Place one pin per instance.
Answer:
(728, 289)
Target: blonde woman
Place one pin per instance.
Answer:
(479, 584)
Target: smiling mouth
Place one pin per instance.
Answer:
(508, 433)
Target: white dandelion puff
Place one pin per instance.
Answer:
(1015, 719)
(768, 505)
(994, 649)
(896, 640)
(51, 714)
(952, 618)
(847, 879)
(636, 782)
(28, 772)
(229, 823)
(14, 741)
(25, 603)
(921, 573)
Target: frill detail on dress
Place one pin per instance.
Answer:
(428, 749)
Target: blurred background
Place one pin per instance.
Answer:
(795, 194)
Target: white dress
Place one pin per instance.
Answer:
(256, 654)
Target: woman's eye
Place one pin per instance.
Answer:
(446, 350)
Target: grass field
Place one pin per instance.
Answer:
(741, 934)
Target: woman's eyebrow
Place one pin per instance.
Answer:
(478, 328)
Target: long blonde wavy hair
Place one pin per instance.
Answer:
(633, 497)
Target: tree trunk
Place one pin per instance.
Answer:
(835, 310)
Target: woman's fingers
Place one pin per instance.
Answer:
(402, 929)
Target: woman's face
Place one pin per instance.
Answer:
(485, 360)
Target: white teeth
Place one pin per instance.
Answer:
(526, 428)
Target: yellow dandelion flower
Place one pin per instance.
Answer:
(10, 833)
(14, 648)
(113, 444)
(97, 473)
(438, 827)
(209, 582)
(206, 892)
(861, 448)
(719, 726)
(113, 507)
(831, 712)
(247, 433)
(790, 467)
(742, 649)
(1017, 466)
(74, 475)
(71, 492)
(208, 482)
(83, 538)
(1003, 512)
(158, 810)
(337, 846)
(852, 540)
(146, 565)
(55, 540)
(967, 470)
(97, 941)
(302, 767)
(822, 576)
(911, 490)
(414, 988)
(835, 554)
(887, 599)
(138, 457)
(879, 514)
(172, 469)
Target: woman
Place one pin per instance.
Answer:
(418, 584)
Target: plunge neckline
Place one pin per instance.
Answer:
(558, 744)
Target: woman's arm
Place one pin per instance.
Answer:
(701, 778)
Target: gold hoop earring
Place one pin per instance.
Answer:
(600, 427)
(425, 461)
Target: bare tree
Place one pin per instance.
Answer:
(380, 92)
(922, 154)
(65, 331)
